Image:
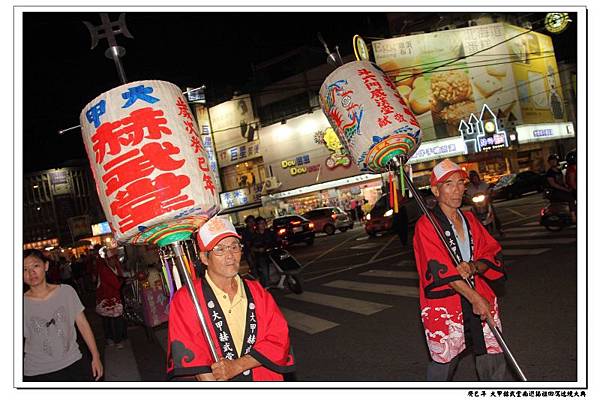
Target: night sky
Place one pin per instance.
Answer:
(61, 74)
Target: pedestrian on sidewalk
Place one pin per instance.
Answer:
(108, 298)
(452, 313)
(248, 329)
(50, 314)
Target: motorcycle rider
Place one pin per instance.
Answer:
(560, 192)
(477, 186)
(262, 239)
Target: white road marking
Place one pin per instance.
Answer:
(362, 238)
(306, 323)
(532, 223)
(523, 252)
(547, 242)
(379, 288)
(381, 273)
(406, 263)
(351, 267)
(328, 251)
(383, 248)
(343, 303)
(516, 213)
(365, 246)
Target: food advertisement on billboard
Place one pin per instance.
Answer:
(447, 75)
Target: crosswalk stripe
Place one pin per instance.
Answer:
(364, 246)
(546, 242)
(381, 273)
(343, 303)
(395, 290)
(362, 238)
(533, 223)
(523, 252)
(306, 323)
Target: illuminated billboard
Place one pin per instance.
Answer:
(445, 76)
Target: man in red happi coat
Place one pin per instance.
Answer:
(246, 326)
(452, 313)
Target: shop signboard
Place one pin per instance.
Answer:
(237, 154)
(235, 198)
(545, 132)
(208, 143)
(233, 122)
(100, 229)
(79, 226)
(483, 132)
(60, 182)
(303, 152)
(511, 70)
(437, 149)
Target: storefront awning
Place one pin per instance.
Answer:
(240, 208)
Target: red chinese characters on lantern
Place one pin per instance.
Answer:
(148, 198)
(208, 183)
(196, 144)
(139, 197)
(183, 109)
(143, 123)
(130, 166)
(188, 122)
(377, 94)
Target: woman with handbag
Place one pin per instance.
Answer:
(108, 298)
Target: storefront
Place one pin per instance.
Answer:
(309, 168)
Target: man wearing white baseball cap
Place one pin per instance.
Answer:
(452, 313)
(247, 327)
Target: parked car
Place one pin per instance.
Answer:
(380, 218)
(294, 229)
(329, 219)
(514, 185)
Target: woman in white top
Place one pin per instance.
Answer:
(50, 314)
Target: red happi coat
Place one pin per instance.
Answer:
(447, 317)
(266, 336)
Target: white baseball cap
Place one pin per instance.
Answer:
(443, 170)
(213, 231)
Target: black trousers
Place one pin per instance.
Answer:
(115, 328)
(79, 371)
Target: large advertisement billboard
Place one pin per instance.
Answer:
(448, 75)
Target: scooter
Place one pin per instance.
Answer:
(283, 269)
(555, 216)
(482, 208)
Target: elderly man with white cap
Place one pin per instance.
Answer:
(452, 313)
(247, 327)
